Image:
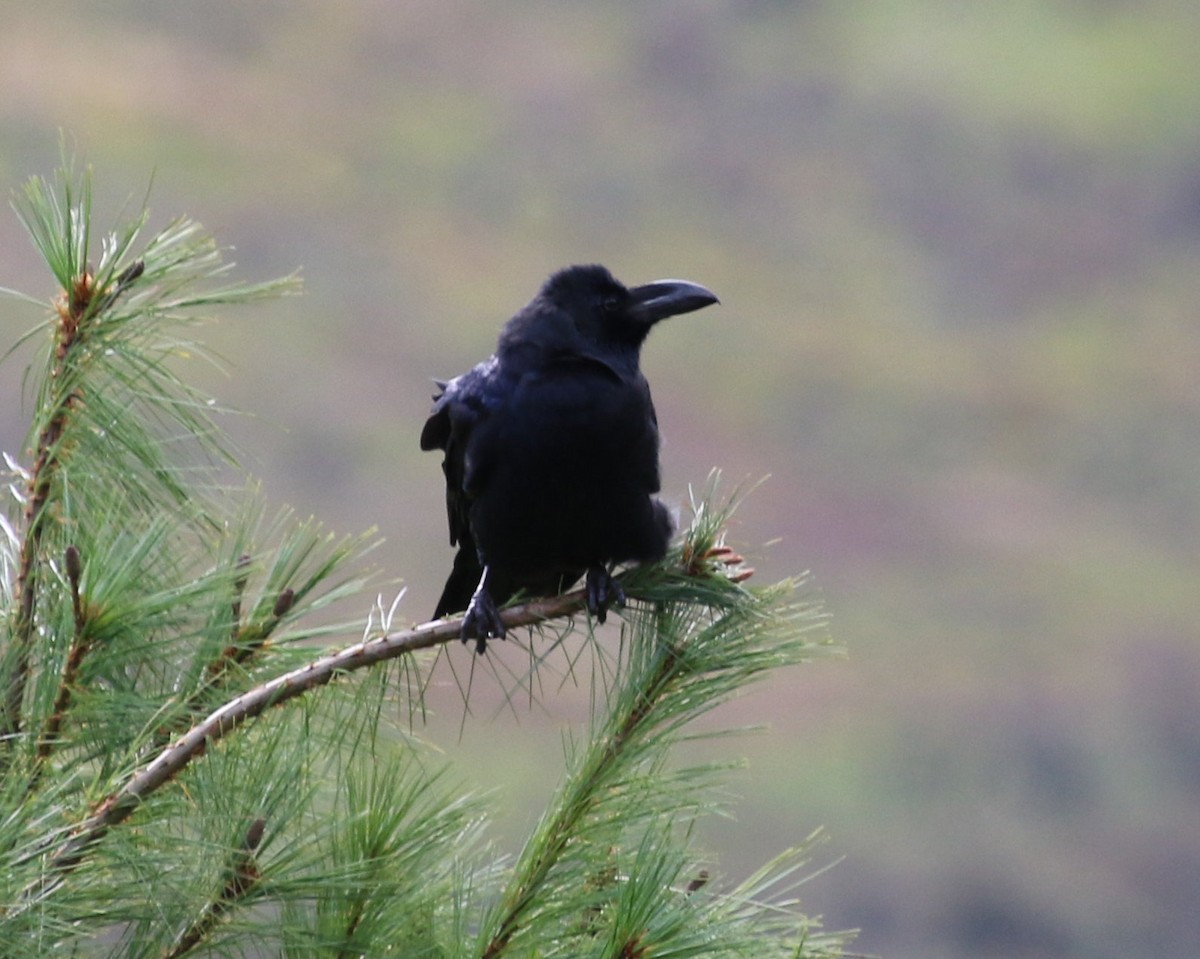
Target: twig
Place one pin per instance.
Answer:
(73, 306)
(669, 669)
(667, 672)
(245, 641)
(239, 592)
(80, 644)
(564, 826)
(217, 667)
(118, 806)
(241, 875)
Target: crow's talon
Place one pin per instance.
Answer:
(602, 591)
(482, 621)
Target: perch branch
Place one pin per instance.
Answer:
(118, 806)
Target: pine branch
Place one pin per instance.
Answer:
(250, 634)
(115, 809)
(110, 408)
(684, 657)
(237, 652)
(565, 826)
(245, 641)
(241, 876)
(73, 308)
(80, 644)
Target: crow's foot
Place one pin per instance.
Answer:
(482, 620)
(602, 591)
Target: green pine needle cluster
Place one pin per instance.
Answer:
(180, 775)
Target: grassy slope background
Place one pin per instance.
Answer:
(956, 247)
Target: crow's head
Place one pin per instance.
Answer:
(585, 307)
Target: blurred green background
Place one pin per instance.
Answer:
(956, 245)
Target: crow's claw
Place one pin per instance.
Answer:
(482, 620)
(602, 591)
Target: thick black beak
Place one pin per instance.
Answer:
(662, 298)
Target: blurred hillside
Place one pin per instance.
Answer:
(956, 247)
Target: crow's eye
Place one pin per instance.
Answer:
(610, 304)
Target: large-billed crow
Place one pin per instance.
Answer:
(551, 448)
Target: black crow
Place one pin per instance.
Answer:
(551, 448)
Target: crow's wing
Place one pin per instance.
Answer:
(461, 425)
(458, 425)
(458, 411)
